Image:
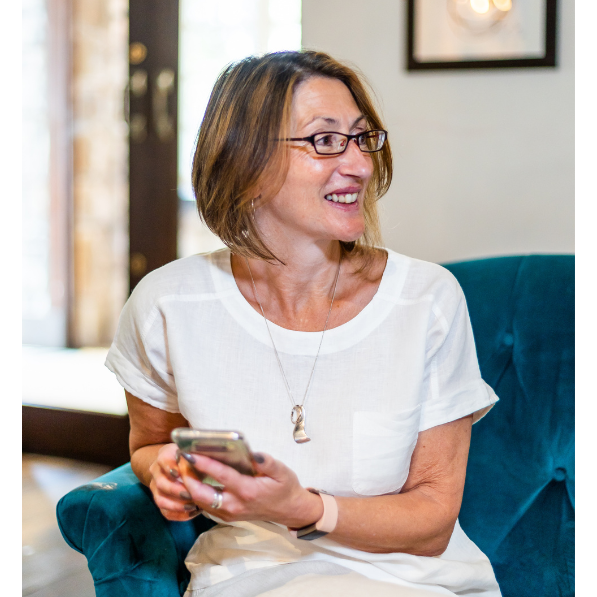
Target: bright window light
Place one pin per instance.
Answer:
(211, 35)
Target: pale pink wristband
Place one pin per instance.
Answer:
(326, 524)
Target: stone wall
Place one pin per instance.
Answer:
(100, 169)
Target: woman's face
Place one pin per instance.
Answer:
(304, 207)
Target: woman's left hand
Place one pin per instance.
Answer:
(274, 495)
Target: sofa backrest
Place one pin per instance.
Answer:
(518, 504)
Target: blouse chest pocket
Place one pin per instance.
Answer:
(383, 444)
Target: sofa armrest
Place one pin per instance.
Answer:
(131, 549)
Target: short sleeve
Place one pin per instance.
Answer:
(139, 355)
(453, 383)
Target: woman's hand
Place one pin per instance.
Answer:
(274, 495)
(169, 492)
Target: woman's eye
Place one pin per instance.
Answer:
(325, 140)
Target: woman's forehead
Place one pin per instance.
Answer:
(324, 100)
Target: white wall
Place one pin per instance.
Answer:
(484, 160)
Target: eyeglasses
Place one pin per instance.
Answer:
(331, 143)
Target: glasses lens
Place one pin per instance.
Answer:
(328, 143)
(372, 141)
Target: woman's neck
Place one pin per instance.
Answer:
(304, 278)
(298, 295)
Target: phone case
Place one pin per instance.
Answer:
(228, 447)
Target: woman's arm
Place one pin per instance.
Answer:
(153, 457)
(419, 520)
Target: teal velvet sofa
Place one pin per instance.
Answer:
(518, 503)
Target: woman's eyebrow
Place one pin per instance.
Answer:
(361, 117)
(333, 121)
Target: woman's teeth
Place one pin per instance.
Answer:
(344, 198)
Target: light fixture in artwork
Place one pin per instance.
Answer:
(478, 16)
(503, 5)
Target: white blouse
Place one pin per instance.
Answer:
(189, 342)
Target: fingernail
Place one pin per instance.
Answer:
(185, 495)
(190, 507)
(174, 473)
(193, 514)
(258, 458)
(188, 457)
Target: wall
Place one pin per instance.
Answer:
(484, 161)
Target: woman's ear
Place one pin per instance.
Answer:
(256, 203)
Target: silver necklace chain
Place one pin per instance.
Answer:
(301, 406)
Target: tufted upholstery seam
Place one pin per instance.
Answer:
(520, 515)
(570, 495)
(91, 556)
(501, 354)
(513, 310)
(519, 379)
(566, 449)
(120, 573)
(510, 319)
(515, 286)
(83, 534)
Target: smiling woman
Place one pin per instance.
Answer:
(304, 311)
(232, 168)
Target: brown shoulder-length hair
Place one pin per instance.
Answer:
(238, 151)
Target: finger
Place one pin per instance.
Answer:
(168, 461)
(176, 493)
(180, 516)
(176, 504)
(230, 478)
(167, 486)
(172, 472)
(202, 494)
(268, 466)
(186, 467)
(165, 503)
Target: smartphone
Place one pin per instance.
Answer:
(229, 447)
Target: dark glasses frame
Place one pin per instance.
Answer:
(358, 138)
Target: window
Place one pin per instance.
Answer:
(211, 35)
(45, 285)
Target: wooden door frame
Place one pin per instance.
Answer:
(153, 208)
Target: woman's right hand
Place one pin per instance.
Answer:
(169, 493)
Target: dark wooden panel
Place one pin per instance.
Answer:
(153, 208)
(87, 436)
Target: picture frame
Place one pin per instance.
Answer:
(480, 34)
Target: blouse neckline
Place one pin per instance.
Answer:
(306, 343)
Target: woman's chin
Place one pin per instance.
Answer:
(349, 239)
(351, 235)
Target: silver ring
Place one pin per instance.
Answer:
(218, 499)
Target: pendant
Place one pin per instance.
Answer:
(297, 417)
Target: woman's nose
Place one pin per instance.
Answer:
(356, 162)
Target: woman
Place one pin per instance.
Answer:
(350, 368)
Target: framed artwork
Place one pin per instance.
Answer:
(464, 34)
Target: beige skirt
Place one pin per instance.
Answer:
(308, 579)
